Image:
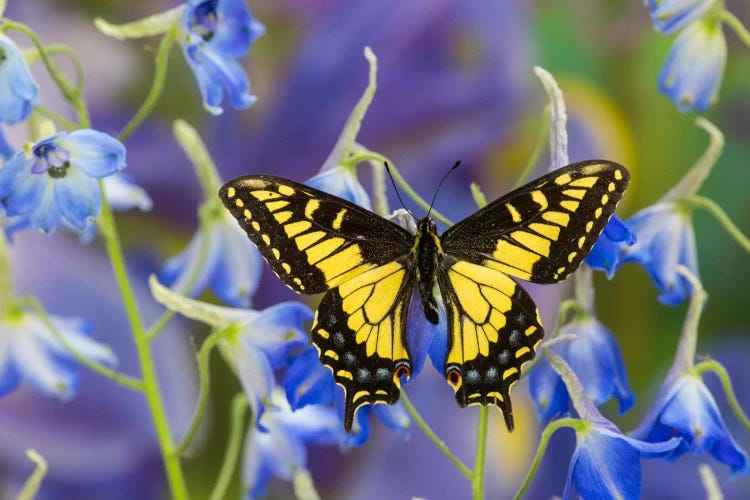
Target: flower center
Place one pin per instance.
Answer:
(52, 159)
(203, 22)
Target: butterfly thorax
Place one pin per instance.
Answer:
(427, 252)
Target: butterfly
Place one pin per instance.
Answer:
(371, 269)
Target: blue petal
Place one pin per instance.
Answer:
(216, 74)
(78, 197)
(420, 332)
(605, 255)
(692, 413)
(186, 267)
(236, 28)
(123, 194)
(278, 329)
(239, 267)
(395, 417)
(255, 373)
(548, 392)
(46, 216)
(694, 68)
(18, 91)
(6, 150)
(10, 377)
(670, 16)
(20, 190)
(606, 467)
(343, 183)
(95, 153)
(307, 381)
(665, 239)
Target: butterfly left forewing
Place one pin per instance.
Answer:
(493, 329)
(542, 231)
(359, 331)
(312, 240)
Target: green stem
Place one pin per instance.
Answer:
(6, 279)
(692, 181)
(234, 446)
(117, 377)
(736, 25)
(204, 376)
(371, 155)
(379, 198)
(541, 140)
(145, 356)
(685, 355)
(203, 164)
(462, 468)
(32, 484)
(722, 217)
(59, 48)
(710, 483)
(69, 91)
(543, 442)
(721, 372)
(157, 86)
(61, 120)
(477, 480)
(583, 283)
(478, 195)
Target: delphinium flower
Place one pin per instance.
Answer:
(606, 253)
(31, 353)
(55, 180)
(591, 351)
(278, 446)
(213, 34)
(261, 340)
(220, 256)
(18, 91)
(694, 68)
(684, 406)
(692, 74)
(605, 463)
(665, 236)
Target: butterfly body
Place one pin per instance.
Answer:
(369, 269)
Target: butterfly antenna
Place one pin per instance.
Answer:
(434, 196)
(395, 188)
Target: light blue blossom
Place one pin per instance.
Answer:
(55, 181)
(213, 34)
(595, 358)
(670, 16)
(605, 255)
(278, 447)
(221, 257)
(30, 353)
(687, 409)
(692, 74)
(606, 463)
(124, 194)
(18, 91)
(665, 239)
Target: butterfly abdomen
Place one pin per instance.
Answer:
(427, 249)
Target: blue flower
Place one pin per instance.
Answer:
(309, 382)
(692, 73)
(605, 255)
(607, 464)
(278, 448)
(341, 181)
(594, 357)
(18, 91)
(665, 239)
(670, 16)
(56, 181)
(219, 256)
(31, 353)
(213, 34)
(6, 150)
(687, 409)
(124, 194)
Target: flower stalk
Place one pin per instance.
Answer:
(685, 356)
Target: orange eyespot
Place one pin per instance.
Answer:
(401, 371)
(454, 378)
